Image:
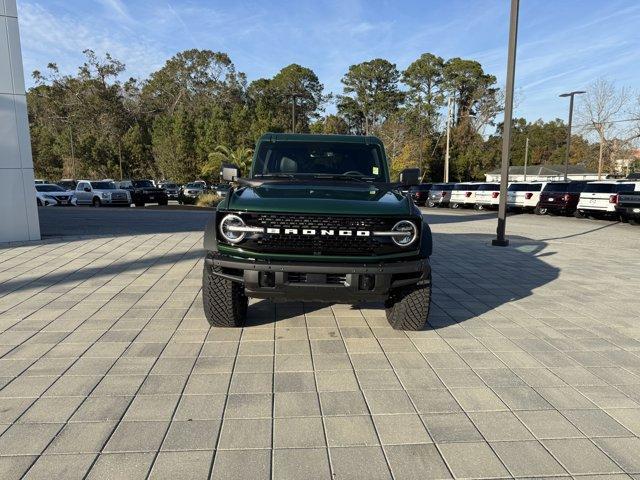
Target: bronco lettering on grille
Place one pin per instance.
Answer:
(321, 232)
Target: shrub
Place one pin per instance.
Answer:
(208, 200)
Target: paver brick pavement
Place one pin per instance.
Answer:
(530, 366)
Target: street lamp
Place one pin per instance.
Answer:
(500, 240)
(566, 159)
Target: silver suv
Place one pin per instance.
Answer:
(99, 193)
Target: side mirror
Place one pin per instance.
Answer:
(87, 189)
(410, 176)
(229, 173)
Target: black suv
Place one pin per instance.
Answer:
(144, 191)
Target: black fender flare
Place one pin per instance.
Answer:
(426, 240)
(210, 240)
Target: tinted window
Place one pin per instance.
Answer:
(442, 186)
(522, 187)
(82, 186)
(49, 188)
(488, 187)
(169, 185)
(570, 187)
(103, 185)
(318, 158)
(608, 187)
(142, 184)
(69, 185)
(194, 185)
(466, 187)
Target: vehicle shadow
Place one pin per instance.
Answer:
(470, 278)
(99, 222)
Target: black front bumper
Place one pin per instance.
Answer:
(316, 281)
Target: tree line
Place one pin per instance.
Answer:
(198, 111)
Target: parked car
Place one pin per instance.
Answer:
(561, 197)
(190, 192)
(202, 183)
(221, 190)
(524, 196)
(99, 193)
(599, 199)
(628, 207)
(50, 194)
(68, 183)
(440, 194)
(420, 193)
(144, 191)
(171, 189)
(487, 196)
(464, 194)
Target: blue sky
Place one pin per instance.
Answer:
(563, 45)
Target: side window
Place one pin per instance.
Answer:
(80, 186)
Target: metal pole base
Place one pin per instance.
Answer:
(496, 242)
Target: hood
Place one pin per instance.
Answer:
(319, 198)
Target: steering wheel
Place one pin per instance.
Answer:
(353, 172)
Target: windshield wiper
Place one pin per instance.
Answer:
(274, 175)
(339, 176)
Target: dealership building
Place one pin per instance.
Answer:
(18, 211)
(542, 173)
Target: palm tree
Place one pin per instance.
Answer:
(240, 156)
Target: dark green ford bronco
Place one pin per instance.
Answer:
(318, 220)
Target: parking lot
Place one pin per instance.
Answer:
(530, 367)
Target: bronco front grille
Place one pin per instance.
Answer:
(320, 245)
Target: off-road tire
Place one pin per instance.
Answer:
(224, 301)
(539, 210)
(407, 308)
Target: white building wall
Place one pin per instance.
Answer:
(18, 211)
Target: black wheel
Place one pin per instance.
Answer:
(634, 220)
(38, 202)
(96, 202)
(478, 207)
(455, 205)
(624, 218)
(579, 214)
(407, 308)
(224, 301)
(540, 211)
(431, 203)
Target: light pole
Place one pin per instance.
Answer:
(500, 240)
(446, 155)
(293, 113)
(566, 159)
(526, 157)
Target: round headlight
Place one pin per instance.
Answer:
(227, 228)
(407, 227)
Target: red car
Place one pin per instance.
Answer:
(561, 197)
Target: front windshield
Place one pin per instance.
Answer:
(194, 185)
(169, 185)
(49, 188)
(298, 159)
(103, 185)
(142, 184)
